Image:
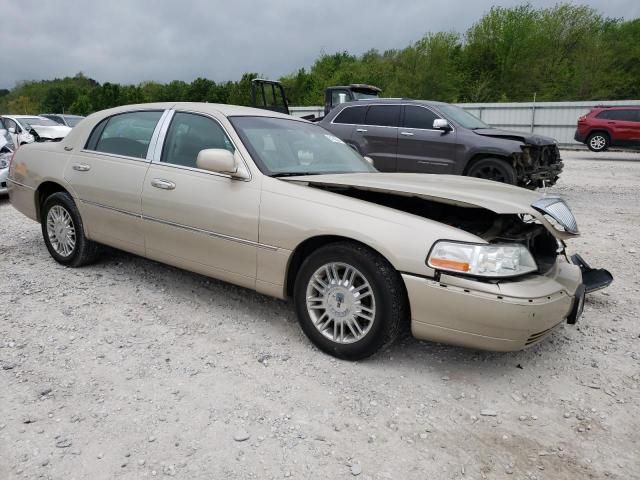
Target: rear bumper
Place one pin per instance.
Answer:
(579, 137)
(501, 317)
(22, 198)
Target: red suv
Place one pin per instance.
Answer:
(603, 127)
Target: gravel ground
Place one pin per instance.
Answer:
(129, 369)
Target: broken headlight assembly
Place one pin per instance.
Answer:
(481, 260)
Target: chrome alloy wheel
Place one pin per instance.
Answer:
(598, 142)
(340, 302)
(61, 231)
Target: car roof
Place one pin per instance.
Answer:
(220, 108)
(616, 107)
(20, 116)
(395, 100)
(61, 115)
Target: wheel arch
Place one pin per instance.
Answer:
(45, 190)
(481, 156)
(310, 245)
(601, 130)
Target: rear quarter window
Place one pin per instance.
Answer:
(351, 115)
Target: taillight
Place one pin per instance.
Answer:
(11, 158)
(582, 119)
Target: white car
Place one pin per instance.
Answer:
(6, 151)
(32, 128)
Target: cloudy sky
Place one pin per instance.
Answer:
(130, 41)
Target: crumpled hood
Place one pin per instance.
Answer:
(524, 137)
(46, 131)
(454, 190)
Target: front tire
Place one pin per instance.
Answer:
(493, 169)
(63, 232)
(598, 142)
(349, 300)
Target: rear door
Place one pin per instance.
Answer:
(107, 175)
(623, 125)
(421, 148)
(345, 122)
(377, 137)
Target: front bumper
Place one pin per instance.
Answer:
(505, 316)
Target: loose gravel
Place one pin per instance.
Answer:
(129, 369)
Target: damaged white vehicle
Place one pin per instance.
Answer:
(6, 151)
(32, 128)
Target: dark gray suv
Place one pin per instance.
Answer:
(433, 137)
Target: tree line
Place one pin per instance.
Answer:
(562, 53)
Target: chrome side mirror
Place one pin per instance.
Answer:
(12, 130)
(370, 160)
(441, 124)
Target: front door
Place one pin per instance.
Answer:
(377, 137)
(107, 175)
(421, 148)
(196, 219)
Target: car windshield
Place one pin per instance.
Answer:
(26, 122)
(462, 117)
(283, 147)
(72, 121)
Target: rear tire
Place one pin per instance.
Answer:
(349, 300)
(493, 169)
(598, 142)
(63, 232)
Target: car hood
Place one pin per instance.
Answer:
(524, 137)
(57, 131)
(454, 190)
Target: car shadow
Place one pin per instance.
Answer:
(406, 352)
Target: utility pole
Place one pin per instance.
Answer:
(533, 112)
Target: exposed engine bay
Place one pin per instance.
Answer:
(488, 225)
(538, 165)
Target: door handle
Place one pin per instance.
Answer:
(406, 134)
(163, 184)
(81, 167)
(68, 148)
(361, 130)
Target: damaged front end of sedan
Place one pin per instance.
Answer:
(514, 217)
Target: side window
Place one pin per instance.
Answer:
(605, 114)
(383, 115)
(188, 134)
(127, 134)
(623, 115)
(351, 115)
(418, 117)
(10, 124)
(338, 97)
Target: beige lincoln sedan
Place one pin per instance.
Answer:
(279, 205)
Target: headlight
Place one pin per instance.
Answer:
(3, 163)
(482, 260)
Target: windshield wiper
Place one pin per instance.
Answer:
(294, 174)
